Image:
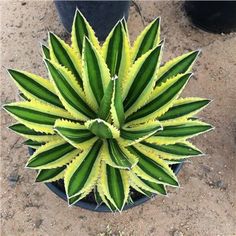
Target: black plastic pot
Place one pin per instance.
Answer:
(89, 202)
(212, 16)
(102, 15)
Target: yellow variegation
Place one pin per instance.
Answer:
(109, 120)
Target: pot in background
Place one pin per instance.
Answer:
(102, 15)
(212, 16)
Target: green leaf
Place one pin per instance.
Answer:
(46, 52)
(37, 116)
(177, 133)
(63, 54)
(142, 77)
(147, 186)
(35, 87)
(31, 134)
(112, 103)
(82, 173)
(96, 74)
(183, 109)
(118, 156)
(115, 185)
(140, 132)
(102, 129)
(147, 40)
(116, 51)
(50, 175)
(81, 29)
(76, 134)
(161, 99)
(152, 168)
(175, 151)
(69, 92)
(52, 155)
(179, 65)
(33, 144)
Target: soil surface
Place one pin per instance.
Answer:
(205, 203)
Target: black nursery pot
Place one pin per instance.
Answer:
(89, 202)
(102, 15)
(212, 16)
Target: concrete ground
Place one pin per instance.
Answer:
(204, 205)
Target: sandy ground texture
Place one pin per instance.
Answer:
(204, 205)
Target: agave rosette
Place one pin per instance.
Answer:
(110, 117)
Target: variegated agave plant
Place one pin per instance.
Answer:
(110, 117)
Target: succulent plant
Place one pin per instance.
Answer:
(110, 116)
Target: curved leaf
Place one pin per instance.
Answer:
(52, 155)
(76, 134)
(37, 116)
(148, 39)
(70, 92)
(178, 133)
(80, 29)
(175, 151)
(62, 53)
(152, 168)
(102, 129)
(117, 156)
(183, 109)
(31, 134)
(50, 175)
(96, 75)
(161, 100)
(179, 65)
(82, 174)
(35, 87)
(142, 77)
(115, 185)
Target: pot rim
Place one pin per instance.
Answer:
(103, 208)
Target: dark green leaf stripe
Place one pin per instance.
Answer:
(124, 24)
(94, 71)
(143, 78)
(158, 187)
(136, 134)
(35, 88)
(160, 100)
(23, 96)
(152, 168)
(33, 143)
(117, 155)
(183, 109)
(46, 52)
(115, 185)
(179, 149)
(75, 135)
(32, 115)
(81, 175)
(62, 56)
(48, 174)
(50, 155)
(114, 51)
(118, 103)
(182, 130)
(105, 106)
(22, 129)
(74, 199)
(97, 196)
(80, 30)
(149, 39)
(68, 93)
(178, 68)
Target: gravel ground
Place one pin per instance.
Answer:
(204, 205)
